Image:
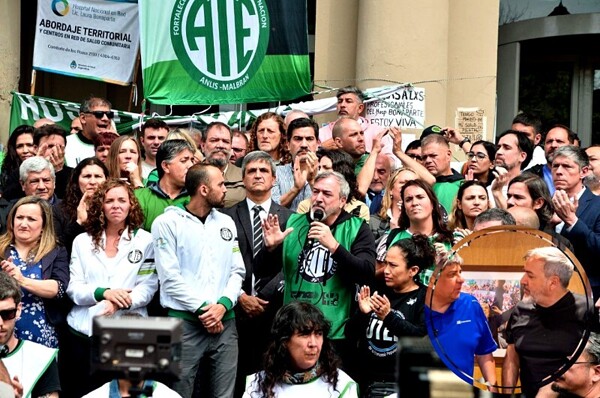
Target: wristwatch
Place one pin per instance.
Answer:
(467, 139)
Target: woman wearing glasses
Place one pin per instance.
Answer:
(40, 266)
(480, 162)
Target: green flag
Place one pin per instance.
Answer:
(224, 51)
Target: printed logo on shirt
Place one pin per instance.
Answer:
(381, 342)
(226, 234)
(459, 322)
(317, 266)
(411, 301)
(134, 256)
(161, 243)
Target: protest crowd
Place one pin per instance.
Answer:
(295, 255)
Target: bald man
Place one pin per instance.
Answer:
(525, 216)
(293, 115)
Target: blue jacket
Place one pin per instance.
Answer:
(585, 235)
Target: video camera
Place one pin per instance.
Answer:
(137, 348)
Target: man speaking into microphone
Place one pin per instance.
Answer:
(326, 253)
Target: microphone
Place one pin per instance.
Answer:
(317, 215)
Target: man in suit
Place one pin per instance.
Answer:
(261, 295)
(578, 209)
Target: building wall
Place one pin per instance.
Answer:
(447, 47)
(10, 45)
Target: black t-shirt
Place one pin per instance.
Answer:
(544, 337)
(378, 339)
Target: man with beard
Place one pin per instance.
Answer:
(292, 184)
(216, 146)
(532, 126)
(201, 270)
(326, 252)
(31, 364)
(546, 327)
(583, 377)
(513, 153)
(95, 116)
(153, 133)
(350, 138)
(350, 105)
(592, 180)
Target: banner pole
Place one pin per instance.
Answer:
(134, 81)
(32, 84)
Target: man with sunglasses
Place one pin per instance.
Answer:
(583, 377)
(95, 115)
(31, 364)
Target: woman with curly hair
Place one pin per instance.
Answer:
(89, 174)
(19, 147)
(300, 362)
(268, 134)
(112, 269)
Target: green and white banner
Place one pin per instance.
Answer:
(26, 109)
(224, 51)
(93, 39)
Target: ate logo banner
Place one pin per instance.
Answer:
(220, 44)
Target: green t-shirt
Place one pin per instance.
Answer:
(310, 273)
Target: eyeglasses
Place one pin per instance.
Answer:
(413, 156)
(584, 362)
(101, 114)
(478, 155)
(8, 315)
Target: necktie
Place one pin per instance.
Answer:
(257, 228)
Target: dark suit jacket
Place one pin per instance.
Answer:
(585, 235)
(243, 222)
(55, 265)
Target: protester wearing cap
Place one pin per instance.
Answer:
(95, 115)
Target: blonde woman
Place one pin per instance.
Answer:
(39, 265)
(124, 161)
